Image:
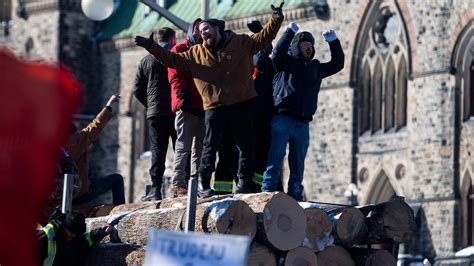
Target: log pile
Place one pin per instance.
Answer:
(283, 231)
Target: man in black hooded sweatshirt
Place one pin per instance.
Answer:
(295, 92)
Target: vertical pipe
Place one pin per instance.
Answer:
(67, 194)
(204, 9)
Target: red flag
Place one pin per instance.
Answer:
(38, 102)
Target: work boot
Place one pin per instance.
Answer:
(154, 193)
(246, 186)
(204, 185)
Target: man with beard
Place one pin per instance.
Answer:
(295, 92)
(186, 103)
(222, 70)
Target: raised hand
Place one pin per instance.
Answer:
(293, 26)
(144, 42)
(277, 11)
(113, 99)
(329, 35)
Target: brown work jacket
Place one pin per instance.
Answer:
(225, 77)
(80, 141)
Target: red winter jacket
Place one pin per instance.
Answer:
(182, 83)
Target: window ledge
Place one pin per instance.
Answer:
(380, 135)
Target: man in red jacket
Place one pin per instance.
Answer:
(186, 103)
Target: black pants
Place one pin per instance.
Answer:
(236, 119)
(160, 129)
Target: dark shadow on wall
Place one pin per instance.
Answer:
(421, 245)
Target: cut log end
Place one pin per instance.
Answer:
(230, 216)
(301, 256)
(335, 256)
(350, 227)
(318, 228)
(381, 258)
(399, 221)
(261, 255)
(284, 222)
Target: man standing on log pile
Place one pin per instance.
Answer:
(222, 70)
(153, 90)
(186, 103)
(295, 92)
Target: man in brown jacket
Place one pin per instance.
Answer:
(222, 69)
(79, 142)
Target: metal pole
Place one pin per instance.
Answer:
(191, 205)
(181, 24)
(204, 9)
(67, 194)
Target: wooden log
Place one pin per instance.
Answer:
(91, 211)
(133, 206)
(335, 256)
(301, 256)
(389, 221)
(162, 204)
(281, 223)
(111, 254)
(349, 226)
(227, 216)
(261, 255)
(134, 227)
(372, 257)
(318, 227)
(181, 201)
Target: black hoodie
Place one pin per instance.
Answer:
(297, 82)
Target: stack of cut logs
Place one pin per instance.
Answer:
(284, 232)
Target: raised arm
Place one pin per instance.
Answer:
(181, 61)
(265, 37)
(337, 55)
(90, 133)
(280, 53)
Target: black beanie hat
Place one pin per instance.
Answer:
(255, 26)
(216, 22)
(76, 223)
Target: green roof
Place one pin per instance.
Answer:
(132, 17)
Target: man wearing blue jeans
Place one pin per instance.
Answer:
(295, 93)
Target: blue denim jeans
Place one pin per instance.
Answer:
(101, 185)
(287, 130)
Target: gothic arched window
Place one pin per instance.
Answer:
(380, 70)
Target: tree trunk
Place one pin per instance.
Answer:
(92, 211)
(301, 256)
(182, 201)
(281, 223)
(134, 227)
(389, 221)
(116, 254)
(227, 216)
(350, 228)
(260, 255)
(372, 257)
(133, 206)
(318, 227)
(335, 256)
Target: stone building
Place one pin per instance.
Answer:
(397, 121)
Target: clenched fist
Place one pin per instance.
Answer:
(277, 11)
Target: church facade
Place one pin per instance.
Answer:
(397, 121)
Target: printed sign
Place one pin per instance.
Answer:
(195, 249)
